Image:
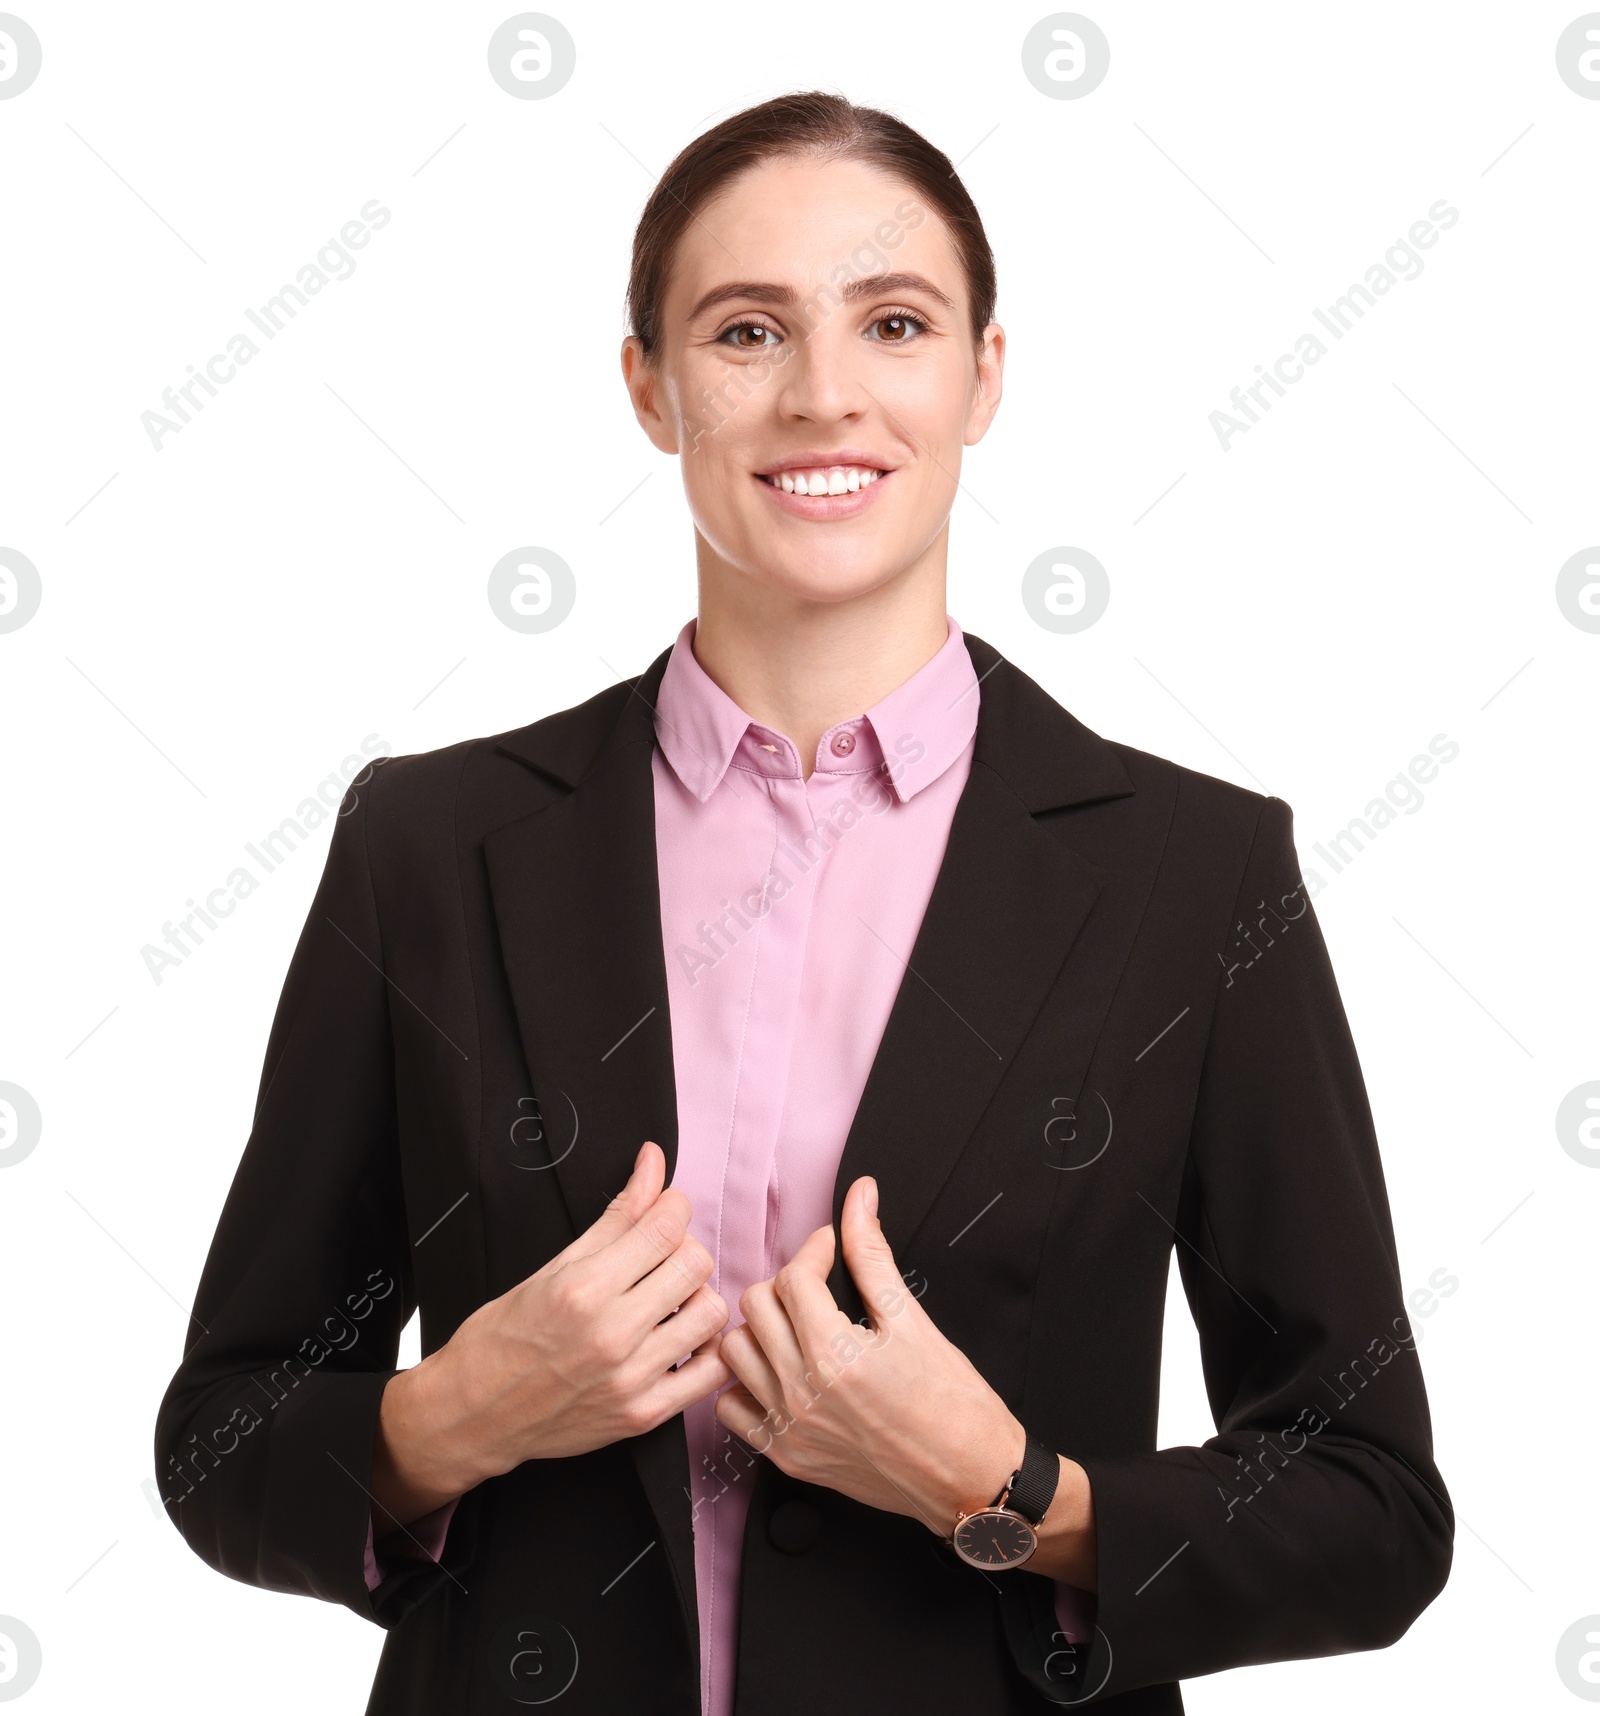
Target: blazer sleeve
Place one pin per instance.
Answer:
(1314, 1521)
(264, 1438)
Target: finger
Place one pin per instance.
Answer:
(634, 1313)
(654, 1237)
(802, 1289)
(644, 1184)
(867, 1254)
(743, 1354)
(696, 1324)
(769, 1325)
(671, 1284)
(699, 1375)
(739, 1411)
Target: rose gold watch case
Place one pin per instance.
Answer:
(1008, 1524)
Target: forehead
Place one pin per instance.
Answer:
(801, 220)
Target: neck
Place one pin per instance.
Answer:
(799, 665)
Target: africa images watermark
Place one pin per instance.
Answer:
(1403, 794)
(1380, 1351)
(269, 853)
(336, 1333)
(332, 262)
(1400, 262)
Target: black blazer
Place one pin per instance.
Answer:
(1120, 1032)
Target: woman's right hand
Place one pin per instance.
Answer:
(574, 1358)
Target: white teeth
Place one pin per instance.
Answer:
(829, 480)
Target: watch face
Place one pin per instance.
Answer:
(994, 1537)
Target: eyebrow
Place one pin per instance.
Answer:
(874, 285)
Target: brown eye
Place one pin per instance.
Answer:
(731, 336)
(902, 328)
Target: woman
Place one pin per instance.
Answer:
(781, 1081)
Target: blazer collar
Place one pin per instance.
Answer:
(1048, 758)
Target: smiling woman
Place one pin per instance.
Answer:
(685, 1437)
(864, 377)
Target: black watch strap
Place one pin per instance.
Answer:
(1033, 1484)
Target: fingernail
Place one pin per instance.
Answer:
(872, 1197)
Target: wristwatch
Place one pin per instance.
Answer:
(1002, 1535)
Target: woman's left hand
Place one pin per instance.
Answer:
(894, 1415)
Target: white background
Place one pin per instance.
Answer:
(1372, 565)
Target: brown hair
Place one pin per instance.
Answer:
(806, 122)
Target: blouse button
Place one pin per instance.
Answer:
(843, 744)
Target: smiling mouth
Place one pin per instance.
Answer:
(824, 479)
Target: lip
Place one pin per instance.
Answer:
(823, 507)
(810, 459)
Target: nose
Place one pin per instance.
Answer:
(822, 379)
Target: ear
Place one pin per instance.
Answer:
(645, 387)
(986, 395)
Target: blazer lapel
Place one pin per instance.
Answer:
(578, 908)
(1006, 908)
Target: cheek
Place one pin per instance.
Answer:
(930, 408)
(705, 472)
(713, 479)
(936, 404)
(718, 452)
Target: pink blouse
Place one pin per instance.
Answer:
(789, 907)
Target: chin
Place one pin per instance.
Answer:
(817, 562)
(820, 579)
